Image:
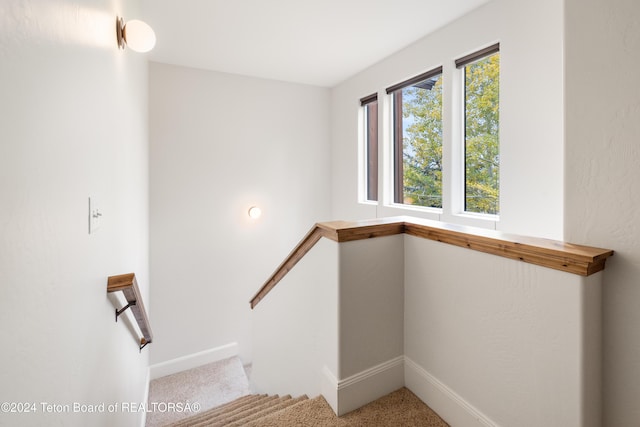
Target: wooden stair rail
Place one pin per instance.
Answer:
(576, 259)
(129, 286)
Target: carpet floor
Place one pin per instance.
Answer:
(400, 408)
(222, 391)
(209, 385)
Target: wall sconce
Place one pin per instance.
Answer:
(138, 35)
(255, 212)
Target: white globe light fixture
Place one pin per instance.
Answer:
(136, 34)
(255, 212)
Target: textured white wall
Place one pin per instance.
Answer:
(531, 124)
(221, 143)
(486, 340)
(518, 342)
(371, 303)
(602, 168)
(73, 124)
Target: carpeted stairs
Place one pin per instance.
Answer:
(245, 411)
(400, 408)
(222, 391)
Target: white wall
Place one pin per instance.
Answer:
(500, 341)
(334, 325)
(296, 327)
(73, 124)
(531, 123)
(484, 340)
(221, 143)
(602, 168)
(371, 321)
(371, 303)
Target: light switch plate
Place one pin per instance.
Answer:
(95, 215)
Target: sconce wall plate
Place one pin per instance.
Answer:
(120, 32)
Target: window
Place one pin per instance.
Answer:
(370, 106)
(445, 163)
(417, 124)
(481, 125)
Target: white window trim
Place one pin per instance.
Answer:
(362, 156)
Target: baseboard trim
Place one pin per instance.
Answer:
(329, 388)
(145, 398)
(194, 360)
(448, 404)
(369, 385)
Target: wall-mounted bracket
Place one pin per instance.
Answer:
(123, 309)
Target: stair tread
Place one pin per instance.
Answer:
(244, 400)
(215, 417)
(267, 411)
(398, 408)
(232, 407)
(226, 419)
(323, 414)
(244, 411)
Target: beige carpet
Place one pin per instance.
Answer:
(209, 386)
(243, 412)
(400, 408)
(221, 390)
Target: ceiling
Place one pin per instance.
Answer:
(317, 42)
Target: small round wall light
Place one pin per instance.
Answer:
(138, 35)
(255, 212)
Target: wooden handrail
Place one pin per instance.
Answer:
(576, 259)
(128, 284)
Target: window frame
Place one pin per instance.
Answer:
(453, 150)
(460, 65)
(395, 93)
(370, 147)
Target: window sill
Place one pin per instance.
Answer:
(473, 220)
(395, 209)
(463, 218)
(478, 216)
(414, 208)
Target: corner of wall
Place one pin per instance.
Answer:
(369, 385)
(447, 403)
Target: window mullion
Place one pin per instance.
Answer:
(398, 172)
(372, 151)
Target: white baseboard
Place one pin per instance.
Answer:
(448, 404)
(193, 360)
(369, 385)
(329, 388)
(145, 398)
